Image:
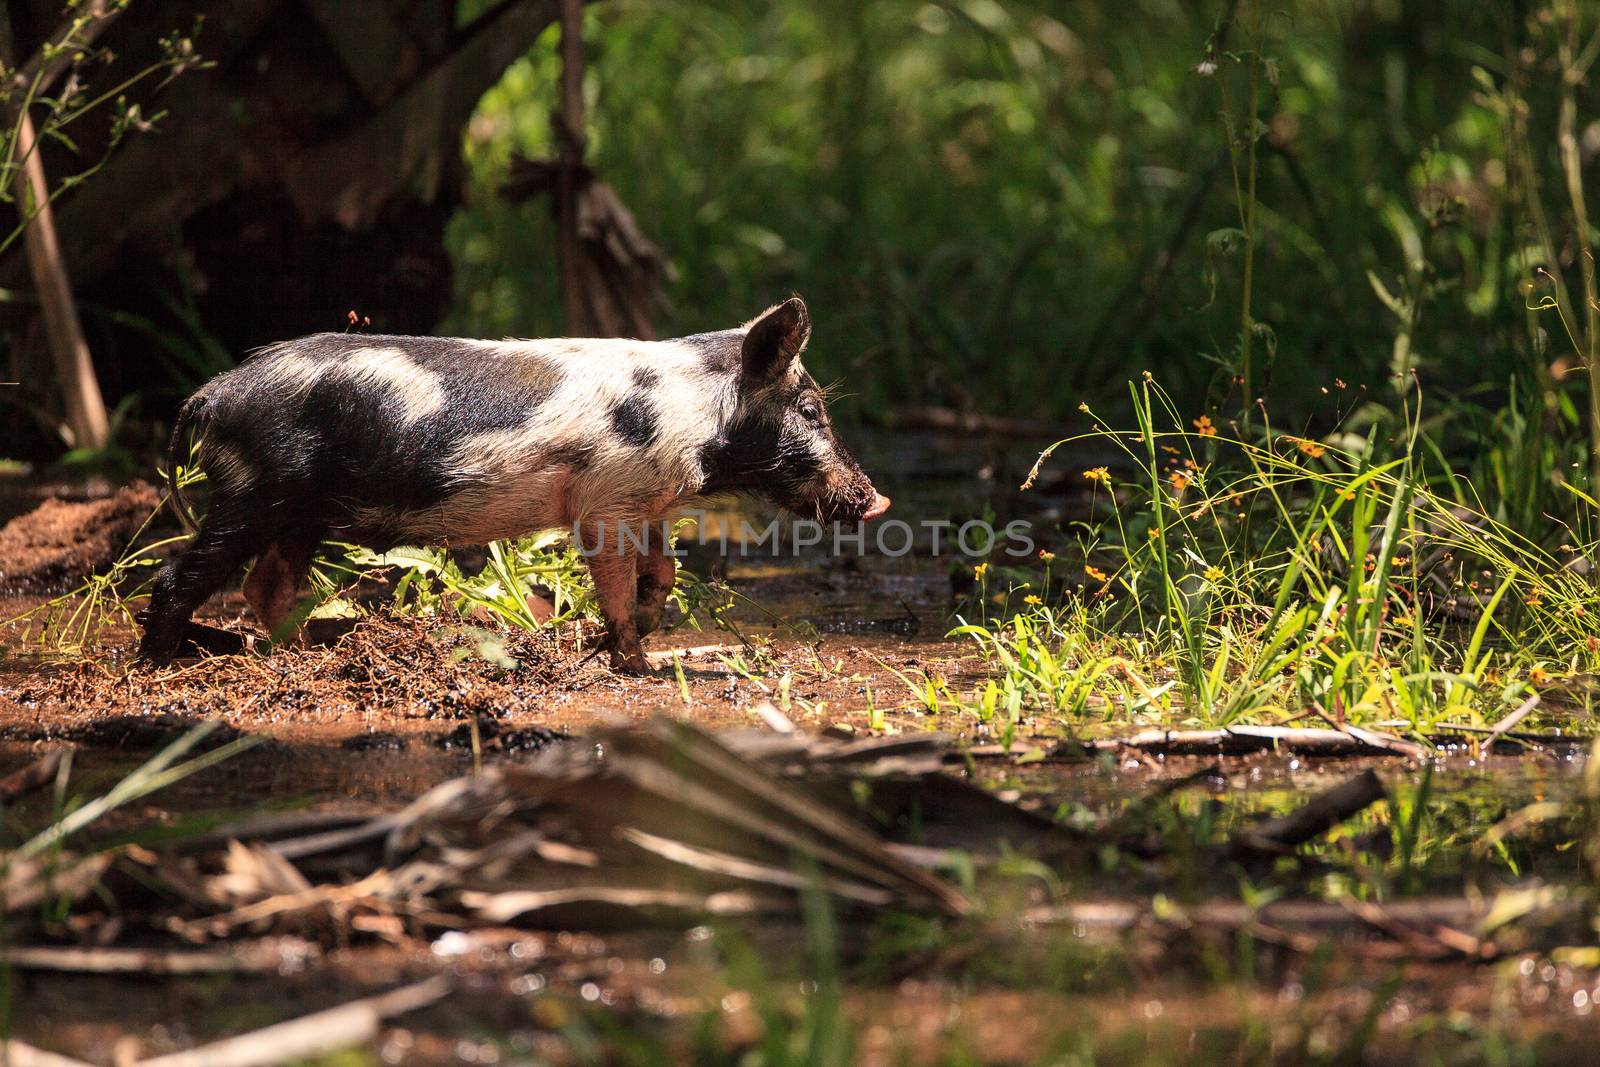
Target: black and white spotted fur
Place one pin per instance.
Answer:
(389, 440)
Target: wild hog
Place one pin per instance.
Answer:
(381, 441)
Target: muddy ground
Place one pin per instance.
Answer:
(368, 720)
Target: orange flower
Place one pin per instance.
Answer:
(1098, 474)
(1095, 572)
(1180, 481)
(1046, 555)
(1310, 448)
(1203, 426)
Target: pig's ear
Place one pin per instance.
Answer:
(775, 339)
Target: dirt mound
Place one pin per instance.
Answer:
(58, 543)
(384, 668)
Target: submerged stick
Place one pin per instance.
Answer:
(309, 1036)
(1315, 817)
(36, 775)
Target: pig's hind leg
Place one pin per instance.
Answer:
(228, 536)
(273, 585)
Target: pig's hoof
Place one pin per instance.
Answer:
(629, 662)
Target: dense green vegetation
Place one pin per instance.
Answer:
(1352, 238)
(1009, 206)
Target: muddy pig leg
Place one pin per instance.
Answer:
(656, 574)
(228, 536)
(273, 584)
(615, 572)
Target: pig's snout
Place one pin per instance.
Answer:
(854, 501)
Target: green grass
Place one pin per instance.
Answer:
(1251, 576)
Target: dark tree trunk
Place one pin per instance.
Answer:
(307, 172)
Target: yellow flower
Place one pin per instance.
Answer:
(979, 571)
(1534, 599)
(1095, 572)
(1098, 474)
(1213, 574)
(1031, 599)
(1402, 562)
(1203, 426)
(1539, 676)
(1407, 621)
(1347, 494)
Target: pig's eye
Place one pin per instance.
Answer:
(810, 411)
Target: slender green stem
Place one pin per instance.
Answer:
(1246, 323)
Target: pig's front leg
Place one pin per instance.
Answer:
(615, 583)
(656, 575)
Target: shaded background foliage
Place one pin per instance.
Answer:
(991, 205)
(1012, 206)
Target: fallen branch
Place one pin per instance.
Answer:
(19, 1054)
(309, 1036)
(1282, 835)
(1436, 942)
(36, 775)
(255, 957)
(1322, 917)
(1243, 740)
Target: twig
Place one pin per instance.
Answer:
(1522, 712)
(1388, 742)
(53, 58)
